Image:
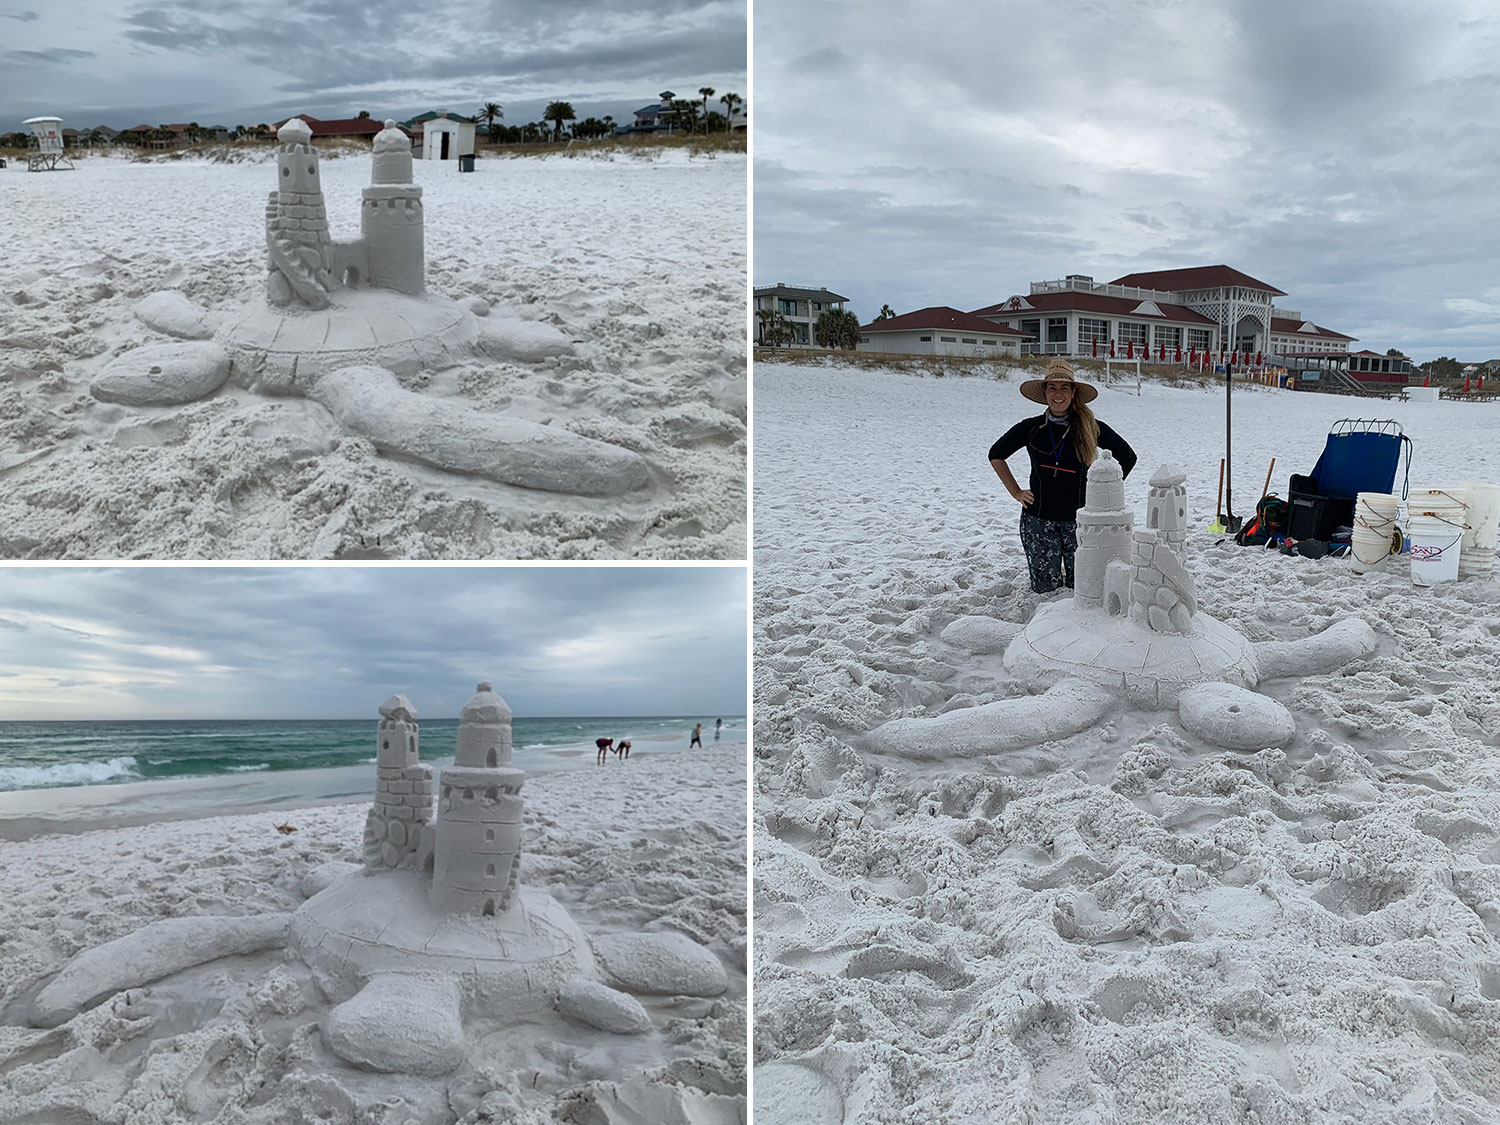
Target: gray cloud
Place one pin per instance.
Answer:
(1342, 152)
(24, 15)
(333, 642)
(236, 64)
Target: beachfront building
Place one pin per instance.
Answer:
(362, 127)
(1291, 335)
(798, 309)
(658, 117)
(1077, 316)
(444, 135)
(940, 330)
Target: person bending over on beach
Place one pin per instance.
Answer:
(622, 748)
(697, 736)
(1062, 443)
(605, 745)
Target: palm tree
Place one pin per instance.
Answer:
(707, 92)
(557, 113)
(363, 114)
(687, 113)
(886, 312)
(730, 101)
(489, 111)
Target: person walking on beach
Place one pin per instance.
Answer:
(718, 726)
(697, 737)
(604, 745)
(1062, 443)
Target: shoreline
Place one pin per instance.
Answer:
(75, 809)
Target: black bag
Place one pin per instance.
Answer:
(1268, 523)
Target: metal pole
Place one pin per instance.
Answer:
(1231, 521)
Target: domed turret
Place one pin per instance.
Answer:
(392, 163)
(484, 730)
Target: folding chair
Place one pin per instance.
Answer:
(1360, 455)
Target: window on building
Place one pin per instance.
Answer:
(1057, 330)
(1198, 338)
(1032, 329)
(1168, 336)
(986, 341)
(1127, 333)
(925, 339)
(785, 307)
(970, 340)
(1091, 330)
(948, 339)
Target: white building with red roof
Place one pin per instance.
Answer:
(940, 330)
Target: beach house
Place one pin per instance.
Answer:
(940, 330)
(795, 309)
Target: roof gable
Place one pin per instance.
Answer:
(1194, 277)
(941, 317)
(1069, 300)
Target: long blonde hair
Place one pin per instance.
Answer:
(1085, 431)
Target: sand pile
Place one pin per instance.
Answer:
(654, 844)
(1128, 924)
(640, 264)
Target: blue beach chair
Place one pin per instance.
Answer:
(1360, 455)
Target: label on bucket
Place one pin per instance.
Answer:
(1425, 552)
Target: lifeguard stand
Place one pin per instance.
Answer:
(44, 152)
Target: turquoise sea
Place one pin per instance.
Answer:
(58, 754)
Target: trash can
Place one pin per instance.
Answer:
(466, 163)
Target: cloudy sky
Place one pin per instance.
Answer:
(951, 153)
(310, 642)
(232, 62)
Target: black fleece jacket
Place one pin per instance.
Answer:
(1058, 478)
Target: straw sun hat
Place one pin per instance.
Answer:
(1058, 371)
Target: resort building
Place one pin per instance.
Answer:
(1076, 316)
(798, 309)
(940, 330)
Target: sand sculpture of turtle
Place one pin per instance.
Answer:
(342, 319)
(1131, 628)
(434, 926)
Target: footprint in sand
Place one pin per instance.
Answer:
(792, 1094)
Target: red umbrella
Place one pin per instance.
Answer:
(1426, 380)
(1192, 356)
(1129, 349)
(1466, 384)
(1111, 349)
(1178, 357)
(1257, 359)
(1161, 350)
(1094, 348)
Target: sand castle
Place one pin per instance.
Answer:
(343, 320)
(1132, 627)
(433, 926)
(472, 850)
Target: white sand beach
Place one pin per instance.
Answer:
(634, 263)
(1130, 923)
(655, 844)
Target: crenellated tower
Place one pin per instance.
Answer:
(299, 253)
(391, 219)
(477, 852)
(403, 790)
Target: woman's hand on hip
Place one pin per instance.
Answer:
(1026, 497)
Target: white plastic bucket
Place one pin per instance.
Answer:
(1374, 529)
(1477, 551)
(1436, 534)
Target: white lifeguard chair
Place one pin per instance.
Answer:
(44, 152)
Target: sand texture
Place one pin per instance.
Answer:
(612, 294)
(654, 846)
(1128, 922)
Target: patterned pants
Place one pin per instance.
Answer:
(1049, 547)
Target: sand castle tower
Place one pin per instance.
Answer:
(403, 790)
(1104, 525)
(391, 219)
(1166, 507)
(477, 853)
(1163, 595)
(299, 254)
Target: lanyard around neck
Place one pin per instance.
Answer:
(1060, 442)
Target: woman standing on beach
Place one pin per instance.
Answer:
(1062, 444)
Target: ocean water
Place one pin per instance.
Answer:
(54, 754)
